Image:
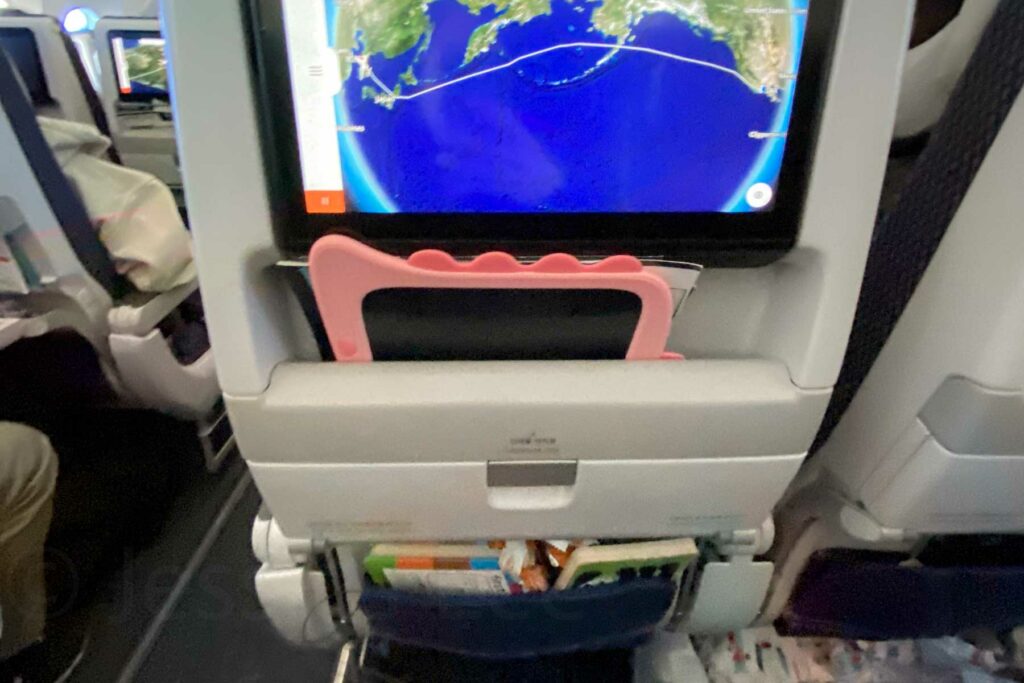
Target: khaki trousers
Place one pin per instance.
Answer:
(28, 475)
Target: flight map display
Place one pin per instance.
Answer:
(538, 106)
(140, 64)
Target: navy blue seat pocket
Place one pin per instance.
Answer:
(615, 615)
(872, 595)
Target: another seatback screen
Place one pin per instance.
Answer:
(20, 46)
(140, 65)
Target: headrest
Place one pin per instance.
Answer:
(17, 77)
(92, 100)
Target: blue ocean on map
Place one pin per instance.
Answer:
(571, 130)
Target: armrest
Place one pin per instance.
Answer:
(45, 311)
(13, 329)
(138, 318)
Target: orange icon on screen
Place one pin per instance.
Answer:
(325, 201)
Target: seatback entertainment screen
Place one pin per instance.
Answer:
(534, 109)
(140, 65)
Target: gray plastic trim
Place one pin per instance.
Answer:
(969, 419)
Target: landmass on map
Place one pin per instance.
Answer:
(757, 33)
(147, 65)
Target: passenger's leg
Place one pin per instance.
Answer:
(28, 476)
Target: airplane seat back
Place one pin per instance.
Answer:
(58, 284)
(92, 100)
(924, 437)
(779, 328)
(932, 441)
(347, 453)
(149, 144)
(39, 193)
(59, 275)
(932, 438)
(70, 91)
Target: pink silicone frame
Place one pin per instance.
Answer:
(343, 271)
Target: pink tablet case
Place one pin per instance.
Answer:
(343, 271)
